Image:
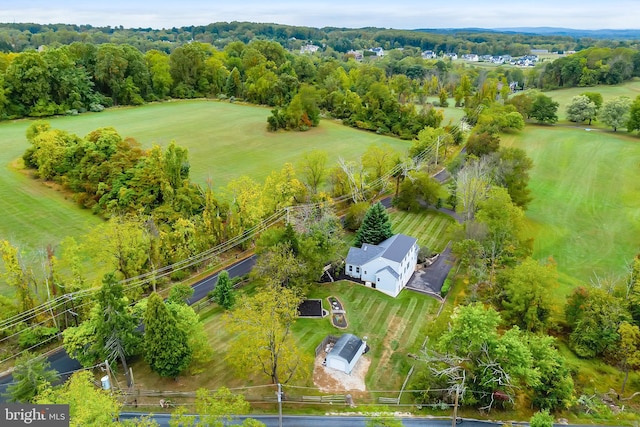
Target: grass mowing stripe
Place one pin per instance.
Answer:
(436, 233)
(408, 313)
(416, 220)
(380, 308)
(423, 316)
(403, 219)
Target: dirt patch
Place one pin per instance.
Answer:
(396, 326)
(330, 380)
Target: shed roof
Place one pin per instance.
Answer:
(346, 347)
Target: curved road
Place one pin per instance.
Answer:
(65, 365)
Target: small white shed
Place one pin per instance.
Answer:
(345, 353)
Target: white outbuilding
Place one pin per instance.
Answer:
(345, 353)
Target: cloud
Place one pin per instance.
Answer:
(403, 14)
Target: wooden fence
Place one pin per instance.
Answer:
(329, 339)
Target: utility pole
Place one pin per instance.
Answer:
(279, 405)
(106, 364)
(455, 408)
(437, 150)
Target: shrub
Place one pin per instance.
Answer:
(355, 215)
(178, 275)
(423, 254)
(445, 287)
(95, 107)
(541, 419)
(36, 337)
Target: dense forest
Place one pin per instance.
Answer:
(18, 37)
(376, 93)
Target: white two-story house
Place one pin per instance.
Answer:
(386, 267)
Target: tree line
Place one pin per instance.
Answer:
(17, 37)
(501, 346)
(387, 95)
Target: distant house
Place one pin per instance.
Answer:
(386, 267)
(539, 51)
(357, 55)
(309, 48)
(429, 54)
(471, 57)
(345, 353)
(377, 50)
(451, 56)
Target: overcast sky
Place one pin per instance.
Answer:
(401, 14)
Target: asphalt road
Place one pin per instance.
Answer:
(326, 421)
(65, 365)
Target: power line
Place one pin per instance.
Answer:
(145, 278)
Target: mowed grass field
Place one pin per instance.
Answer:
(585, 212)
(224, 140)
(563, 96)
(393, 327)
(430, 227)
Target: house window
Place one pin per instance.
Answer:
(357, 269)
(350, 268)
(365, 272)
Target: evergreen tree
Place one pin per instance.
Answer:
(223, 292)
(289, 237)
(116, 328)
(167, 350)
(31, 375)
(376, 226)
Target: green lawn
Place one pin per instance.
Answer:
(564, 96)
(393, 327)
(224, 141)
(428, 226)
(585, 212)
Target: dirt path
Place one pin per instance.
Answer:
(330, 380)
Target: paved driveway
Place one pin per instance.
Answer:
(429, 280)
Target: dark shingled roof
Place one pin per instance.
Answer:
(347, 347)
(397, 247)
(391, 271)
(360, 256)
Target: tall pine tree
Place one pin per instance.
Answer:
(223, 292)
(166, 346)
(375, 228)
(116, 328)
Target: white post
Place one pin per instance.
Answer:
(279, 405)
